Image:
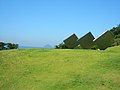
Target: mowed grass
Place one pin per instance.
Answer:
(52, 69)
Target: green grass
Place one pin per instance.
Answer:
(52, 69)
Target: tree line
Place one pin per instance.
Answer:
(7, 46)
(116, 32)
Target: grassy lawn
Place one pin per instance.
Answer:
(52, 69)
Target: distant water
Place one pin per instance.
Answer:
(48, 46)
(27, 47)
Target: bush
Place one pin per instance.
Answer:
(1, 45)
(61, 46)
(5, 46)
(94, 47)
(116, 32)
(12, 46)
(116, 42)
(117, 36)
(78, 47)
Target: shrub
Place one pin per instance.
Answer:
(94, 47)
(61, 46)
(1, 45)
(78, 47)
(116, 42)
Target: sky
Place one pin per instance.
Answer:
(40, 22)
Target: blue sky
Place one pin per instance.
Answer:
(40, 22)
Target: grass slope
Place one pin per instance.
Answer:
(52, 69)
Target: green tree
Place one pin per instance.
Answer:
(10, 46)
(1, 45)
(116, 32)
